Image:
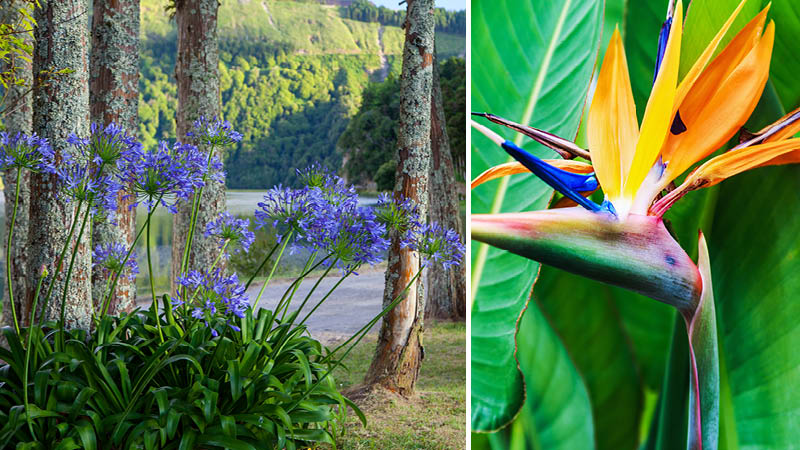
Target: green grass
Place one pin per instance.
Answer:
(435, 418)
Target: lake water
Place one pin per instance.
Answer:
(240, 203)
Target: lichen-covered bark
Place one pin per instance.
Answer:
(18, 118)
(447, 291)
(114, 97)
(196, 71)
(399, 352)
(60, 107)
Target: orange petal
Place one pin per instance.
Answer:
(566, 202)
(737, 161)
(658, 114)
(698, 66)
(714, 111)
(729, 164)
(515, 167)
(612, 126)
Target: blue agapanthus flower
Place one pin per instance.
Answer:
(83, 181)
(26, 151)
(214, 132)
(235, 231)
(400, 215)
(105, 145)
(111, 257)
(212, 297)
(439, 245)
(166, 175)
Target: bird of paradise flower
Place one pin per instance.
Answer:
(623, 240)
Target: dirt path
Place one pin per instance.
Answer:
(354, 303)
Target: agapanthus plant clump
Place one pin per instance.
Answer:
(622, 239)
(203, 366)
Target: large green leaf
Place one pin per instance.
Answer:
(532, 64)
(756, 262)
(643, 20)
(704, 18)
(585, 317)
(557, 413)
(785, 64)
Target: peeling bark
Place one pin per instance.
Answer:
(196, 71)
(447, 290)
(114, 97)
(18, 119)
(60, 107)
(399, 352)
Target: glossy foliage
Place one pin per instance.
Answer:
(625, 347)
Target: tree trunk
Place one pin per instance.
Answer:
(399, 352)
(18, 118)
(447, 291)
(60, 107)
(198, 95)
(114, 87)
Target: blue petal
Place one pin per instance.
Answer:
(567, 183)
(663, 36)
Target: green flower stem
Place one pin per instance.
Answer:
(28, 350)
(61, 255)
(358, 336)
(75, 249)
(8, 255)
(314, 288)
(107, 301)
(260, 266)
(296, 286)
(286, 240)
(195, 207)
(324, 298)
(154, 304)
(286, 297)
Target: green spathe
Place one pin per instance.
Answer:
(638, 254)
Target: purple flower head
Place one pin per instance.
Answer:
(166, 175)
(111, 257)
(214, 132)
(439, 245)
(211, 296)
(400, 215)
(104, 145)
(357, 237)
(83, 181)
(26, 151)
(287, 209)
(228, 228)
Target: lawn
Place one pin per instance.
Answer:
(434, 418)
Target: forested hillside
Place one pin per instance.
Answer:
(292, 75)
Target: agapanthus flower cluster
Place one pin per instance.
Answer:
(84, 181)
(214, 132)
(105, 145)
(439, 245)
(167, 175)
(111, 257)
(26, 151)
(228, 228)
(401, 215)
(290, 210)
(212, 297)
